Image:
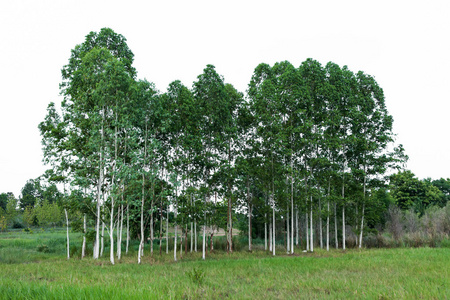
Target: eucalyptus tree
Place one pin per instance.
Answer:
(93, 83)
(216, 126)
(265, 106)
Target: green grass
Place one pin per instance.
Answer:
(402, 273)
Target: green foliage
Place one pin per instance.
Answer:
(48, 214)
(410, 192)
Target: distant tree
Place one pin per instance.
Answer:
(11, 209)
(29, 194)
(444, 186)
(410, 192)
(3, 200)
(29, 216)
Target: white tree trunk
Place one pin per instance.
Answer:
(307, 231)
(167, 231)
(292, 209)
(336, 241)
(288, 241)
(311, 232)
(320, 225)
(343, 227)
(175, 241)
(296, 227)
(141, 243)
(204, 241)
(249, 228)
(102, 245)
(151, 230)
(265, 232)
(273, 234)
(328, 225)
(192, 237)
(362, 227)
(97, 226)
(83, 247)
(128, 230)
(67, 227)
(111, 232)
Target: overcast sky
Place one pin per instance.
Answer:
(403, 44)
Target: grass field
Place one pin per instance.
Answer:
(33, 266)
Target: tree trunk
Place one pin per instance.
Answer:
(102, 239)
(328, 225)
(292, 208)
(296, 227)
(288, 241)
(336, 241)
(67, 232)
(273, 234)
(111, 233)
(320, 225)
(270, 236)
(195, 235)
(311, 239)
(362, 226)
(307, 231)
(167, 231)
(141, 244)
(83, 247)
(265, 232)
(250, 228)
(128, 230)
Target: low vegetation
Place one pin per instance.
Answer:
(33, 266)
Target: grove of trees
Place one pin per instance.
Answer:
(306, 153)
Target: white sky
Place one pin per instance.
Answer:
(404, 44)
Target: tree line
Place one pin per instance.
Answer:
(305, 148)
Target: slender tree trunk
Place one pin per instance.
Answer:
(175, 240)
(270, 236)
(102, 240)
(343, 218)
(141, 244)
(364, 204)
(160, 227)
(311, 239)
(195, 235)
(167, 231)
(83, 248)
(111, 232)
(362, 226)
(192, 236)
(67, 233)
(320, 225)
(250, 227)
(265, 232)
(273, 234)
(97, 226)
(186, 240)
(128, 229)
(336, 240)
(307, 231)
(296, 227)
(288, 241)
(120, 232)
(292, 207)
(328, 225)
(204, 239)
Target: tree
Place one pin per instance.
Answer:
(444, 186)
(410, 192)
